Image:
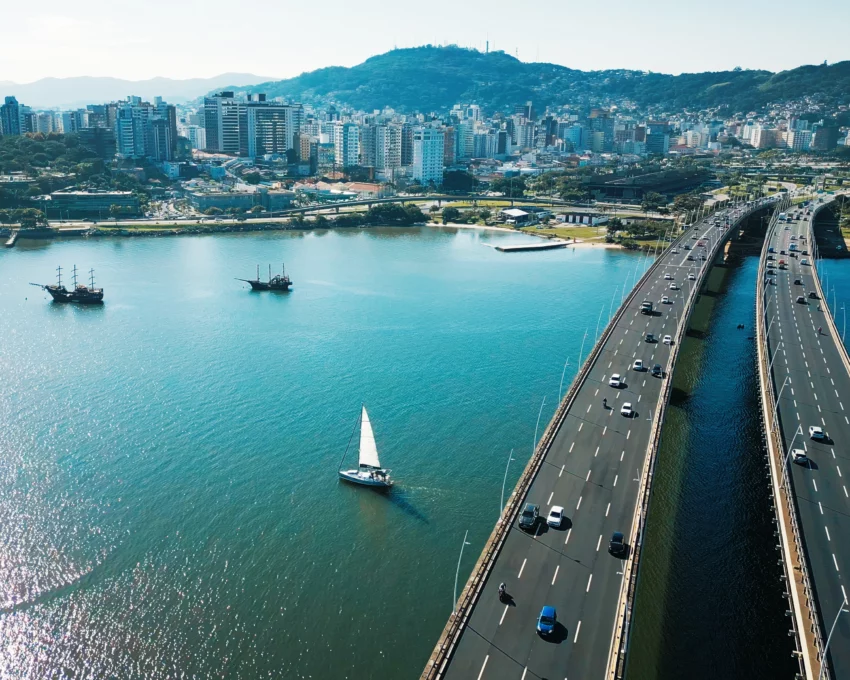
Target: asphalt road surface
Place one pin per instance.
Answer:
(591, 470)
(815, 391)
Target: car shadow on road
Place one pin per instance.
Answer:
(558, 635)
(566, 525)
(811, 465)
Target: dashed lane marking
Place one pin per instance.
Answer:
(523, 565)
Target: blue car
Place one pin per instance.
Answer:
(546, 621)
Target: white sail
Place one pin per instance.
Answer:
(368, 448)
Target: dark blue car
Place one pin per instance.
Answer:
(547, 620)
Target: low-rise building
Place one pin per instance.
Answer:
(92, 203)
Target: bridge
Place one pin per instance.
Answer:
(804, 373)
(598, 465)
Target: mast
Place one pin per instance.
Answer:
(59, 276)
(270, 273)
(258, 273)
(91, 274)
(75, 276)
(356, 423)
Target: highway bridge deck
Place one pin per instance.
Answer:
(594, 468)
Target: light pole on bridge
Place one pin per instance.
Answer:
(457, 573)
(788, 455)
(841, 610)
(778, 397)
(504, 481)
(563, 373)
(539, 413)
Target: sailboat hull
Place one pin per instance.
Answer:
(365, 478)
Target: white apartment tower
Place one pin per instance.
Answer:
(428, 155)
(346, 145)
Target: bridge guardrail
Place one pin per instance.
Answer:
(794, 558)
(438, 661)
(620, 638)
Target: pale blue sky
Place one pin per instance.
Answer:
(200, 38)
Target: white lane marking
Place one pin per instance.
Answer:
(604, 430)
(578, 628)
(845, 491)
(835, 562)
(621, 456)
(571, 447)
(481, 673)
(594, 455)
(519, 575)
(826, 529)
(616, 477)
(608, 509)
(503, 616)
(569, 531)
(578, 505)
(562, 469)
(588, 408)
(628, 434)
(839, 470)
(639, 396)
(589, 579)
(820, 507)
(524, 671)
(550, 498)
(556, 574)
(597, 390)
(588, 476)
(580, 425)
(815, 484)
(599, 542)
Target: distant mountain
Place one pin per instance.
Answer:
(70, 93)
(435, 78)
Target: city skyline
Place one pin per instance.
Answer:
(658, 36)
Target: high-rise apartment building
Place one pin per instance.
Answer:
(346, 145)
(145, 130)
(406, 144)
(428, 155)
(255, 127)
(10, 117)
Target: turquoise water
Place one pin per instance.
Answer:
(169, 505)
(835, 280)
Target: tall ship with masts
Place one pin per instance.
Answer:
(369, 472)
(280, 281)
(81, 294)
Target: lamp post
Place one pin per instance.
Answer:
(611, 306)
(539, 413)
(773, 358)
(581, 351)
(779, 396)
(841, 610)
(504, 481)
(563, 373)
(457, 573)
(790, 449)
(598, 321)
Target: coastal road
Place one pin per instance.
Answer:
(815, 390)
(593, 470)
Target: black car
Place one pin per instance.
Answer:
(617, 544)
(651, 338)
(657, 371)
(687, 246)
(813, 295)
(528, 518)
(797, 282)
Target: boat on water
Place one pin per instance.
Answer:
(85, 295)
(369, 472)
(277, 282)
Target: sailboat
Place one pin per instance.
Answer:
(369, 472)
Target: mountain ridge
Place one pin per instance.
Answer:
(432, 78)
(78, 91)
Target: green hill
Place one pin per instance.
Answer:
(434, 78)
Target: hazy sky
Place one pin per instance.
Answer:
(282, 38)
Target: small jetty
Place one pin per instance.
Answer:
(13, 239)
(280, 282)
(546, 245)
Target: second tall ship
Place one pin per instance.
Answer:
(85, 295)
(277, 282)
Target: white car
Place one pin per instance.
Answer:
(626, 410)
(665, 300)
(816, 432)
(668, 340)
(556, 516)
(668, 277)
(675, 251)
(805, 261)
(638, 365)
(673, 286)
(691, 277)
(616, 380)
(799, 456)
